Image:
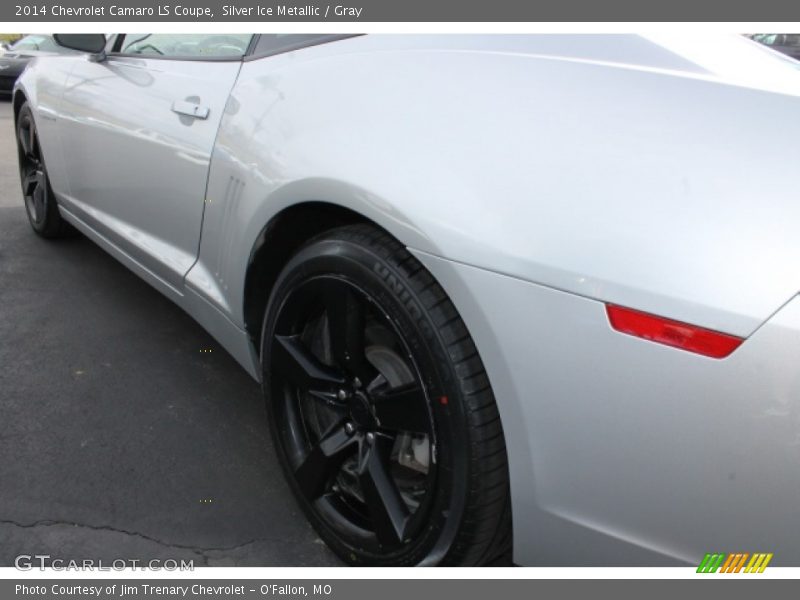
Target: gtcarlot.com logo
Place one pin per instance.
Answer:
(734, 562)
(27, 562)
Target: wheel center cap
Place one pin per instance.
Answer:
(360, 410)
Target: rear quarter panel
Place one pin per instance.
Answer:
(660, 186)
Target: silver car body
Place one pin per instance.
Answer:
(538, 178)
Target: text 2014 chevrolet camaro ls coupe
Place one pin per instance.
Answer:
(545, 285)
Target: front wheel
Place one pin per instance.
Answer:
(40, 202)
(380, 408)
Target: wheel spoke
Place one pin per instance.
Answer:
(346, 327)
(403, 408)
(27, 139)
(23, 140)
(30, 182)
(292, 359)
(38, 198)
(385, 504)
(323, 461)
(32, 143)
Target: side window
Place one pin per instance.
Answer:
(186, 45)
(35, 42)
(48, 44)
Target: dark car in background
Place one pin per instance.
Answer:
(788, 43)
(20, 53)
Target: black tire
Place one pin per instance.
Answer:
(354, 326)
(40, 202)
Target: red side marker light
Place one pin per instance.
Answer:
(672, 333)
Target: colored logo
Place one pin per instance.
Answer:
(735, 562)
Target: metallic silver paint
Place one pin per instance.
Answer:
(536, 177)
(153, 207)
(634, 453)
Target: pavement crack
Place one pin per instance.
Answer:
(199, 550)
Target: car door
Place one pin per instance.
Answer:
(137, 131)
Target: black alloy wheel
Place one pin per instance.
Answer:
(40, 202)
(372, 418)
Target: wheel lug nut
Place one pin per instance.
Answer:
(356, 383)
(342, 395)
(349, 428)
(370, 437)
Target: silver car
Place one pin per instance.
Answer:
(491, 285)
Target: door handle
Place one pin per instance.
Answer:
(190, 109)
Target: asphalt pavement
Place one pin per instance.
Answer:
(125, 430)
